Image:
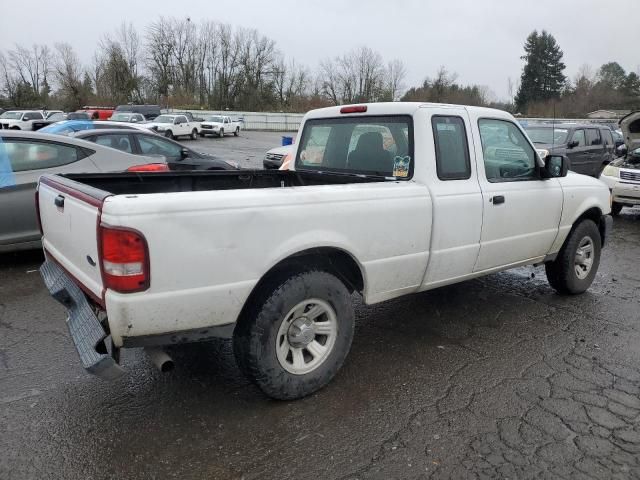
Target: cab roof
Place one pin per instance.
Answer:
(396, 108)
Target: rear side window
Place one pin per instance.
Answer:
(150, 145)
(33, 155)
(117, 141)
(578, 136)
(452, 150)
(593, 137)
(375, 145)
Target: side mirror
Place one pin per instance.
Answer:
(184, 153)
(622, 150)
(572, 144)
(555, 166)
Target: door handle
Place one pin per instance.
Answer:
(59, 201)
(497, 199)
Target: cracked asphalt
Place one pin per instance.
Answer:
(493, 378)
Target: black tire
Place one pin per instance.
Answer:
(194, 134)
(169, 134)
(237, 132)
(221, 133)
(255, 336)
(561, 273)
(616, 208)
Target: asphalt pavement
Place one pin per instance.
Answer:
(493, 378)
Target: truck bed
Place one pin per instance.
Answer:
(132, 183)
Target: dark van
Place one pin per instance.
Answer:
(148, 111)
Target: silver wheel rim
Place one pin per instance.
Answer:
(306, 336)
(584, 258)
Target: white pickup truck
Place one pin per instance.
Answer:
(219, 125)
(174, 126)
(382, 199)
(20, 119)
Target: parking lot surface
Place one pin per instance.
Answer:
(247, 150)
(493, 378)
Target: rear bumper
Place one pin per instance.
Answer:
(86, 330)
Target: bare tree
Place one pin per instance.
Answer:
(396, 73)
(69, 76)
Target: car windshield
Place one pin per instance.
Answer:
(56, 117)
(163, 119)
(213, 118)
(121, 117)
(11, 115)
(547, 135)
(67, 128)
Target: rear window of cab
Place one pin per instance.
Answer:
(372, 145)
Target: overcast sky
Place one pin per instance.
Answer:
(480, 40)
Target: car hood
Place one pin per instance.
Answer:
(630, 126)
(9, 120)
(282, 150)
(217, 124)
(627, 162)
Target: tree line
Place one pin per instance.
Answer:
(180, 63)
(544, 90)
(177, 62)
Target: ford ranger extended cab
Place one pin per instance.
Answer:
(381, 199)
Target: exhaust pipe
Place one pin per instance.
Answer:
(160, 359)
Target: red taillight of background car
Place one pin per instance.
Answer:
(124, 258)
(149, 167)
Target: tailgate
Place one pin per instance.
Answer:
(69, 213)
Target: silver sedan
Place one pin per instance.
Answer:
(24, 156)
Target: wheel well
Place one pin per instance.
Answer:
(328, 259)
(594, 214)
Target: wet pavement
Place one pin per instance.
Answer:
(493, 378)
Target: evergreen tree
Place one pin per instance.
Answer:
(631, 85)
(612, 75)
(542, 77)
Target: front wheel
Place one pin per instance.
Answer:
(168, 134)
(295, 336)
(237, 132)
(221, 134)
(194, 134)
(574, 269)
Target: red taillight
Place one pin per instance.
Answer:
(149, 167)
(38, 212)
(354, 109)
(124, 259)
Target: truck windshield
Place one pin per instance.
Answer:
(381, 146)
(547, 135)
(11, 115)
(213, 118)
(163, 119)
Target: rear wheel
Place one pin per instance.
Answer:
(221, 134)
(574, 269)
(296, 336)
(194, 134)
(168, 134)
(616, 208)
(237, 132)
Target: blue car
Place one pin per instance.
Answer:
(67, 127)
